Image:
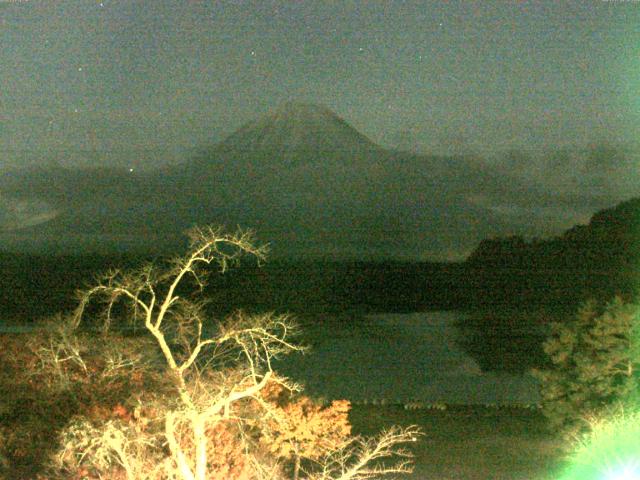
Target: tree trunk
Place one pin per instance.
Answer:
(296, 466)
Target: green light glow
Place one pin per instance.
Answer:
(626, 471)
(610, 451)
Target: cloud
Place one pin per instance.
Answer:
(17, 214)
(539, 194)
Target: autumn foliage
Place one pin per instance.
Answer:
(301, 427)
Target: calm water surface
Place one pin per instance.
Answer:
(400, 357)
(396, 358)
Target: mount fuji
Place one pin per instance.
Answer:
(307, 181)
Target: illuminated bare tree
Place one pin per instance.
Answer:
(214, 369)
(363, 458)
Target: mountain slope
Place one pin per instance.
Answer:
(303, 174)
(297, 128)
(306, 181)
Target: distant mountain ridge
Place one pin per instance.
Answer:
(306, 180)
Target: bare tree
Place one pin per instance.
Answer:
(363, 458)
(215, 370)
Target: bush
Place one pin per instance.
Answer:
(24, 433)
(49, 386)
(593, 364)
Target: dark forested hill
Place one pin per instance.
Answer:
(599, 259)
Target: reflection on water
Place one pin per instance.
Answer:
(400, 357)
(395, 357)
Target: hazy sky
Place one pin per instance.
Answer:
(112, 76)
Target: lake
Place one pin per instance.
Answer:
(400, 358)
(397, 358)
